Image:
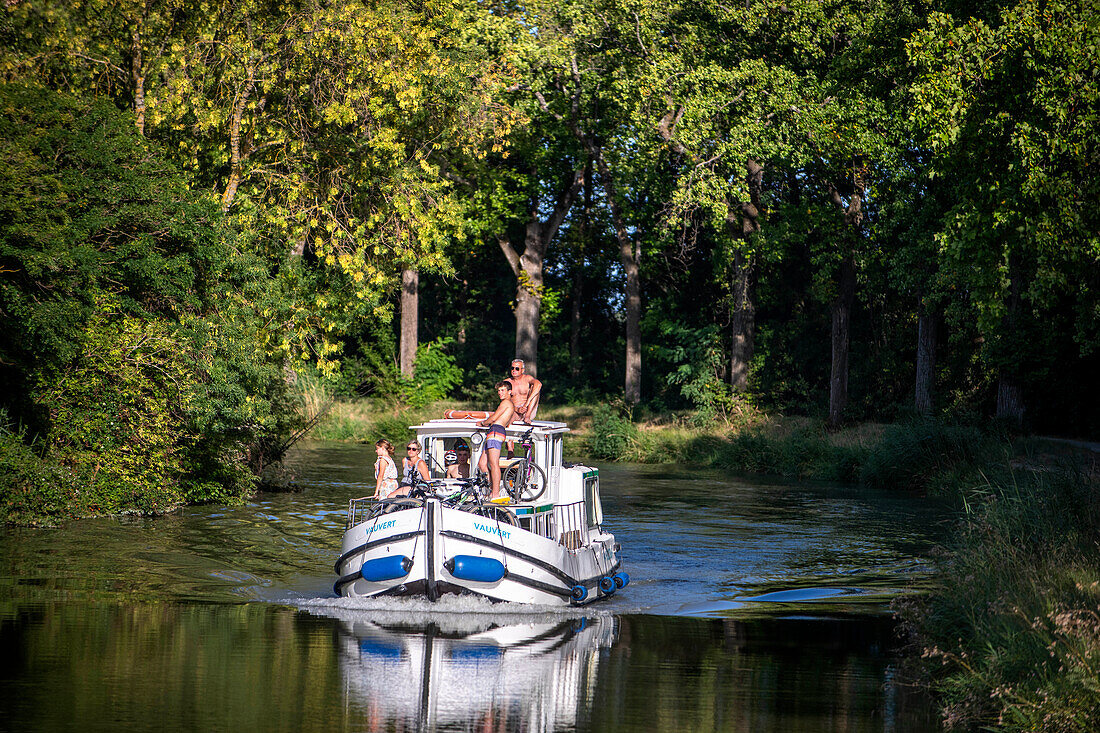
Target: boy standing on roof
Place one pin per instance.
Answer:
(497, 422)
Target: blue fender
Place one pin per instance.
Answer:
(475, 568)
(578, 593)
(607, 584)
(621, 580)
(390, 567)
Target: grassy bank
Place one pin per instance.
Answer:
(1010, 638)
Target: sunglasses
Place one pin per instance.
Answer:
(516, 369)
(411, 447)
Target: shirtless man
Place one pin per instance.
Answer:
(525, 396)
(525, 392)
(460, 468)
(500, 419)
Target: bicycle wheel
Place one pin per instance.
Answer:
(524, 481)
(496, 513)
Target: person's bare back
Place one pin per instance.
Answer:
(501, 418)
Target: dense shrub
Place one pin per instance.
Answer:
(141, 344)
(612, 435)
(930, 455)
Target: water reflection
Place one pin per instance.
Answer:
(471, 671)
(202, 667)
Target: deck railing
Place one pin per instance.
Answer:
(566, 524)
(570, 525)
(358, 511)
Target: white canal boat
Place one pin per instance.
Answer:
(547, 546)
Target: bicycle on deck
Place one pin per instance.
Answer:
(524, 480)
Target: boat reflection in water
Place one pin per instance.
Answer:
(465, 671)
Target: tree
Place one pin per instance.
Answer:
(132, 326)
(1007, 105)
(317, 123)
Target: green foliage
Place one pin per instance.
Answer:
(694, 358)
(611, 434)
(435, 374)
(1010, 632)
(801, 453)
(931, 455)
(116, 414)
(394, 428)
(32, 491)
(136, 331)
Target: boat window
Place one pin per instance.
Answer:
(592, 505)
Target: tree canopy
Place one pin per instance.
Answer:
(846, 210)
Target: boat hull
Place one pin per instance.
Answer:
(436, 549)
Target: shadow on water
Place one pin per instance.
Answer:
(753, 606)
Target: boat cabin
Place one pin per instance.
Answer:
(566, 483)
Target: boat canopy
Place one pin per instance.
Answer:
(466, 426)
(438, 436)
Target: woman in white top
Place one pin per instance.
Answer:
(385, 470)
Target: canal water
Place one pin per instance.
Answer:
(754, 605)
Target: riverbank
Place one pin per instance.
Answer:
(945, 458)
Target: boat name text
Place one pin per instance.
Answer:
(504, 534)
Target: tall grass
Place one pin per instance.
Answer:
(932, 455)
(805, 451)
(1010, 637)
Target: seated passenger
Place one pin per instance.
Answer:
(413, 465)
(460, 466)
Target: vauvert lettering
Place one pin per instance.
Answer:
(504, 534)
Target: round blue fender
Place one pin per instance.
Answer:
(390, 567)
(476, 568)
(607, 584)
(578, 593)
(621, 580)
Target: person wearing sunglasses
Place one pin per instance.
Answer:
(413, 464)
(525, 395)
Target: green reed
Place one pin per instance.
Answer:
(1010, 635)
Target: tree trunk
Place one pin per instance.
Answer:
(529, 299)
(744, 303)
(632, 384)
(528, 267)
(841, 334)
(926, 361)
(577, 293)
(235, 156)
(1010, 398)
(410, 302)
(744, 322)
(629, 256)
(1010, 401)
(575, 322)
(846, 292)
(137, 71)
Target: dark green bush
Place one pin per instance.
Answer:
(612, 435)
(930, 455)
